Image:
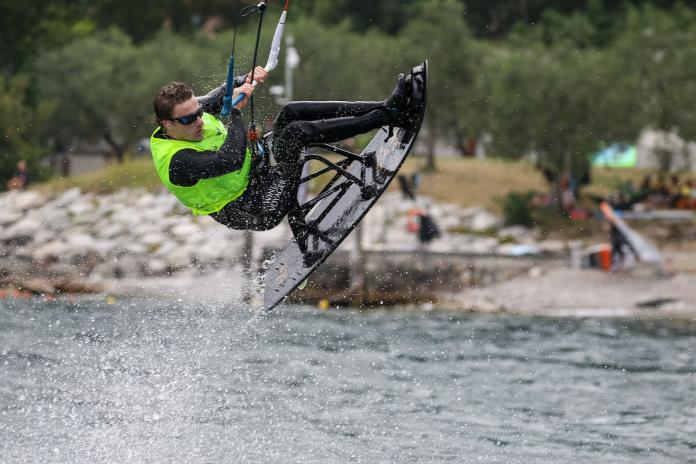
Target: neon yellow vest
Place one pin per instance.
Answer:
(208, 195)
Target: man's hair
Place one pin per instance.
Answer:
(169, 96)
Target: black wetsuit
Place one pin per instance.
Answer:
(271, 192)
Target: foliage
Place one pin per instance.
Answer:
(517, 209)
(386, 15)
(17, 122)
(440, 34)
(548, 103)
(132, 173)
(500, 18)
(27, 27)
(559, 78)
(661, 67)
(100, 88)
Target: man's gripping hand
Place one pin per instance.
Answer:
(260, 75)
(246, 89)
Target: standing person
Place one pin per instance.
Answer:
(21, 178)
(208, 166)
(619, 245)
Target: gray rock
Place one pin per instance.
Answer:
(166, 249)
(130, 248)
(485, 221)
(51, 251)
(153, 239)
(9, 216)
(181, 257)
(186, 230)
(81, 209)
(69, 196)
(23, 230)
(24, 200)
(126, 266)
(155, 267)
(110, 230)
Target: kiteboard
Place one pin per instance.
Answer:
(320, 224)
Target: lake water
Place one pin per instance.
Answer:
(170, 382)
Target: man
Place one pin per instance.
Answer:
(209, 168)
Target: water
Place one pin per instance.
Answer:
(161, 381)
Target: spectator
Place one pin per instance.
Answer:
(21, 179)
(619, 247)
(567, 197)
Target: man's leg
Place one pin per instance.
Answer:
(313, 111)
(266, 201)
(290, 142)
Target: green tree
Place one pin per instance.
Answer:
(101, 88)
(440, 34)
(387, 16)
(658, 67)
(28, 27)
(546, 103)
(89, 85)
(17, 127)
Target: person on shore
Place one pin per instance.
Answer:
(209, 168)
(20, 180)
(619, 247)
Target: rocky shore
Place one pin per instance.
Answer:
(80, 242)
(76, 241)
(138, 242)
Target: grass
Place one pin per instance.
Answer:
(463, 181)
(607, 180)
(131, 174)
(474, 182)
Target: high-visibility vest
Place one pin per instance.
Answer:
(207, 195)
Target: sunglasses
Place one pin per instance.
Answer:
(189, 119)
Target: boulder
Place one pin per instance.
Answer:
(81, 210)
(131, 247)
(155, 267)
(485, 220)
(186, 230)
(181, 257)
(9, 216)
(21, 231)
(50, 251)
(125, 266)
(36, 285)
(69, 197)
(25, 200)
(109, 230)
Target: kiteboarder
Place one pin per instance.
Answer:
(210, 169)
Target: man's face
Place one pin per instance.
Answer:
(181, 113)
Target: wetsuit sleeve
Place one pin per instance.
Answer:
(190, 166)
(212, 101)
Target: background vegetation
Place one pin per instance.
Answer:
(550, 78)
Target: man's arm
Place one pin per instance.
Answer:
(190, 166)
(212, 101)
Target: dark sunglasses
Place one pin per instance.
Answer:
(189, 119)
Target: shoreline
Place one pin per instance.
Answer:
(137, 243)
(550, 291)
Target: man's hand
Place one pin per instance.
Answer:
(246, 89)
(260, 75)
